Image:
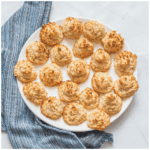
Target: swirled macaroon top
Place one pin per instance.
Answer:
(111, 103)
(83, 48)
(100, 61)
(72, 28)
(51, 75)
(69, 91)
(98, 120)
(125, 63)
(112, 42)
(89, 98)
(102, 82)
(78, 70)
(37, 53)
(35, 92)
(126, 86)
(61, 55)
(51, 34)
(94, 31)
(74, 113)
(25, 71)
(52, 108)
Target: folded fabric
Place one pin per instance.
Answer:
(24, 129)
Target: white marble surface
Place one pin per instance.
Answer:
(131, 20)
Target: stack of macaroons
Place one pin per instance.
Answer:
(75, 111)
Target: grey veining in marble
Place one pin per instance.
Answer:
(131, 20)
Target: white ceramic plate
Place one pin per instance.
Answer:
(52, 91)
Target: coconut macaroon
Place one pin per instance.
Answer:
(78, 70)
(126, 86)
(25, 71)
(94, 31)
(68, 91)
(112, 42)
(100, 61)
(51, 75)
(72, 28)
(51, 34)
(37, 53)
(74, 113)
(83, 48)
(98, 120)
(35, 92)
(111, 103)
(125, 63)
(102, 82)
(52, 108)
(89, 98)
(61, 55)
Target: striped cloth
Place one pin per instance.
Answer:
(24, 129)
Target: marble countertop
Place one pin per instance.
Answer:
(131, 20)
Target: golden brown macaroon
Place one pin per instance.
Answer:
(111, 103)
(52, 108)
(78, 70)
(94, 31)
(89, 98)
(112, 42)
(68, 91)
(83, 48)
(126, 86)
(25, 71)
(98, 120)
(125, 63)
(51, 75)
(100, 61)
(37, 53)
(51, 34)
(74, 113)
(102, 82)
(35, 92)
(61, 55)
(72, 28)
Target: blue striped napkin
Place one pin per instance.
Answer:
(24, 129)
